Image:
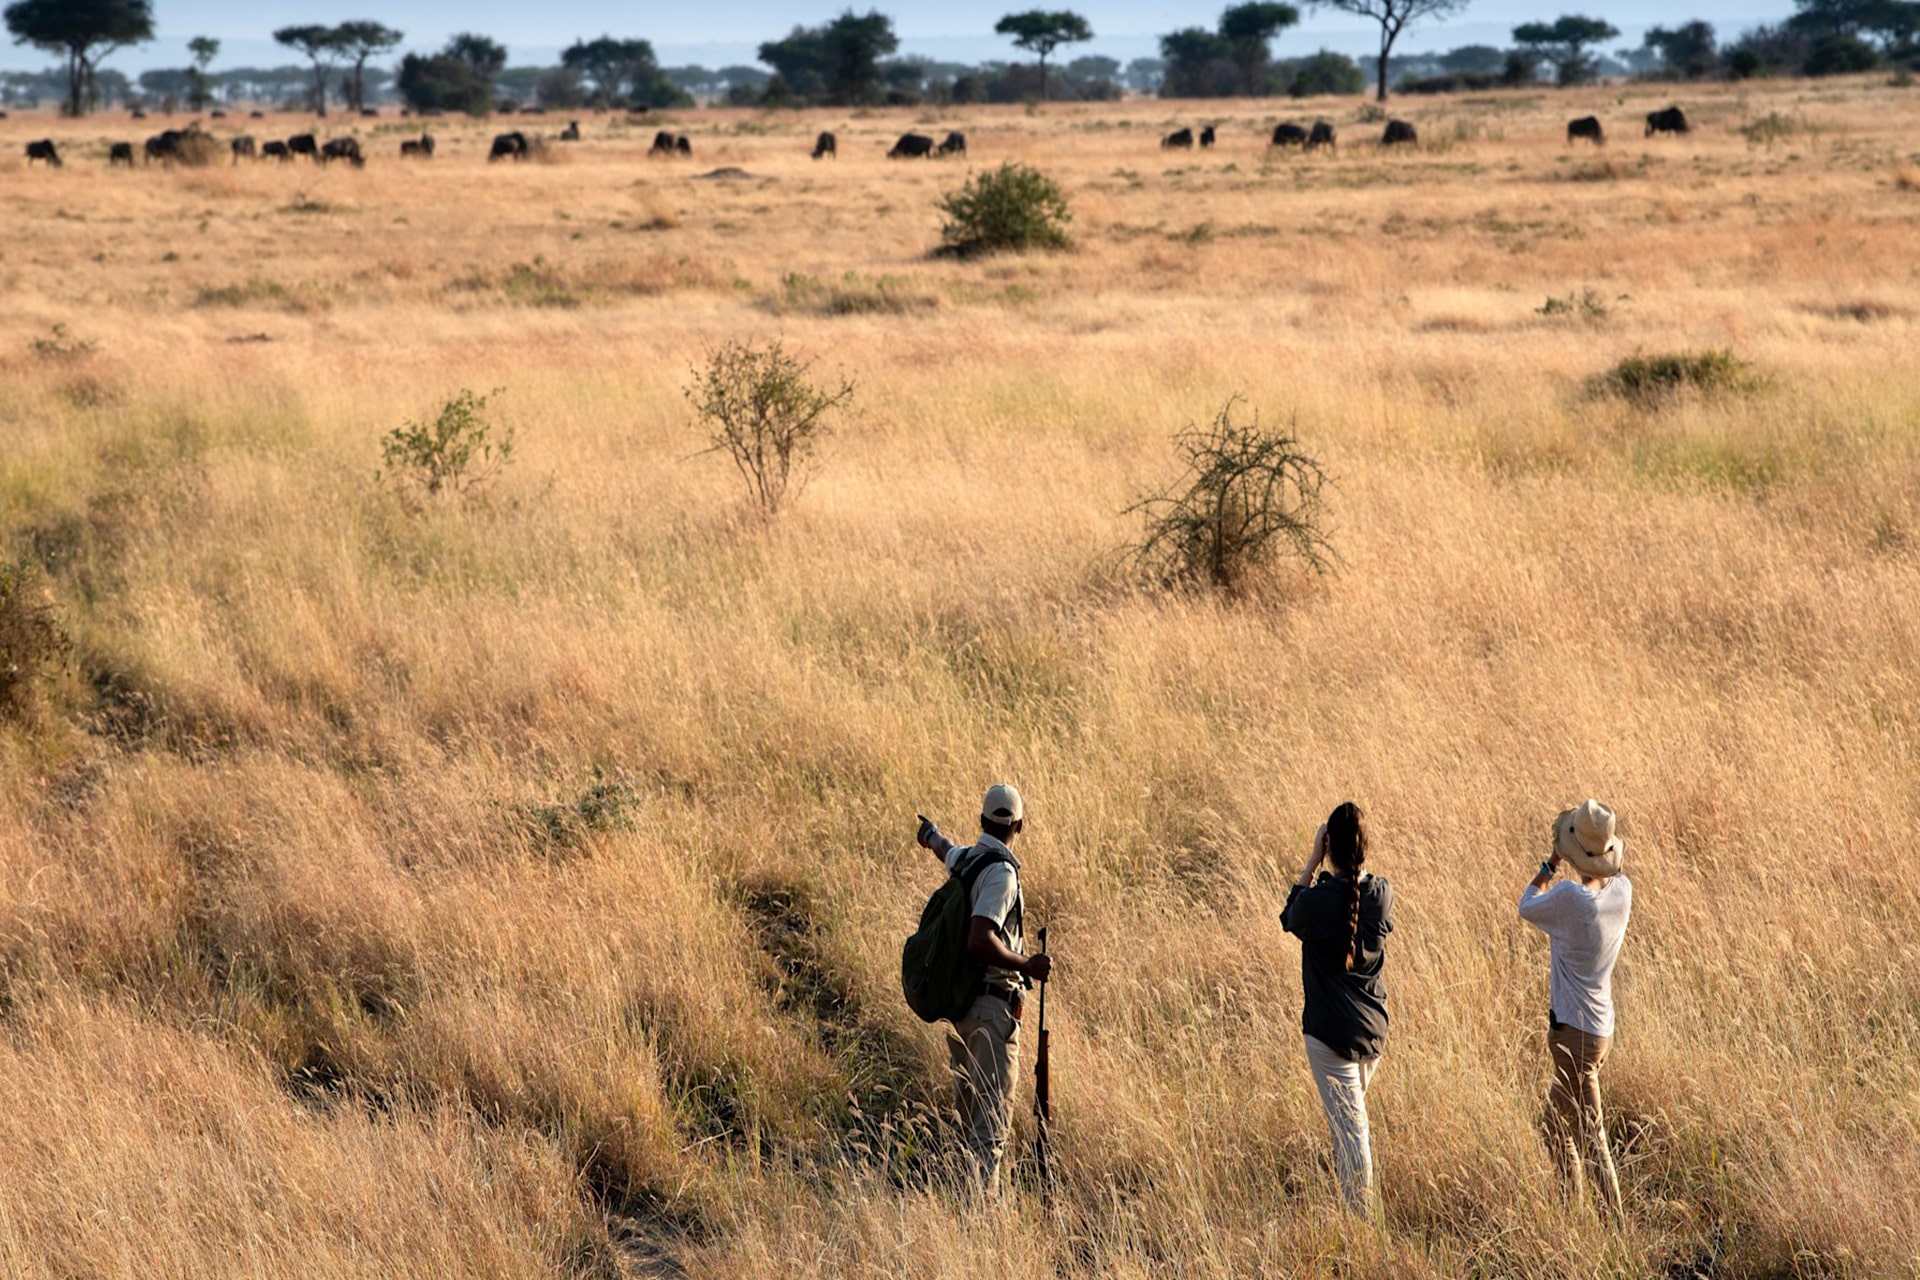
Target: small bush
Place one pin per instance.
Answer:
(1248, 498)
(459, 452)
(32, 641)
(1589, 305)
(62, 345)
(1015, 207)
(759, 408)
(1650, 379)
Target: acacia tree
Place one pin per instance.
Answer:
(84, 32)
(1250, 29)
(1394, 16)
(485, 55)
(359, 41)
(320, 45)
(1688, 51)
(204, 50)
(1041, 31)
(839, 62)
(1564, 42)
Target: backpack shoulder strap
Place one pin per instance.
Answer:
(978, 862)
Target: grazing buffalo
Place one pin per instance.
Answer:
(165, 146)
(1289, 135)
(571, 133)
(243, 146)
(1322, 135)
(275, 151)
(120, 153)
(910, 145)
(218, 114)
(3, 115)
(370, 113)
(347, 149)
(303, 144)
(1206, 136)
(1587, 127)
(954, 144)
(1178, 138)
(826, 145)
(682, 147)
(421, 146)
(256, 115)
(510, 146)
(43, 150)
(665, 144)
(1400, 133)
(1672, 120)
(137, 114)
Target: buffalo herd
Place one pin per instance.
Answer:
(173, 144)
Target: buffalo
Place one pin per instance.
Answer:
(571, 133)
(120, 153)
(511, 146)
(347, 149)
(242, 146)
(421, 146)
(1206, 136)
(1672, 120)
(303, 144)
(1289, 135)
(1322, 135)
(137, 114)
(369, 113)
(1178, 138)
(662, 144)
(165, 146)
(256, 115)
(826, 145)
(43, 150)
(275, 151)
(218, 114)
(910, 145)
(1587, 127)
(954, 144)
(1400, 133)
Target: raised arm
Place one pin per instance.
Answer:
(930, 838)
(1537, 906)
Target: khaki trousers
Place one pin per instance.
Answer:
(985, 1050)
(1576, 1125)
(1343, 1096)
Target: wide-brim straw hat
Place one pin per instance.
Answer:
(1584, 836)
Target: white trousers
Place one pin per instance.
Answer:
(1343, 1094)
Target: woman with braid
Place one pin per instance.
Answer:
(1342, 919)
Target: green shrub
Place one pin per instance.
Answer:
(458, 452)
(1015, 207)
(759, 408)
(1248, 498)
(32, 641)
(1649, 379)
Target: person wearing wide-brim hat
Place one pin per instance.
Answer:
(1586, 920)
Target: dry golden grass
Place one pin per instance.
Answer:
(514, 888)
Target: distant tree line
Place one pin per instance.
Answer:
(851, 60)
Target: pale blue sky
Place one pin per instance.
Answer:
(721, 31)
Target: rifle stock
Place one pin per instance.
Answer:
(1043, 1096)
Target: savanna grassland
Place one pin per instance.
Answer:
(513, 886)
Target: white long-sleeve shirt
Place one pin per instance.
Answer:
(1586, 927)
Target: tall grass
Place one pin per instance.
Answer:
(515, 888)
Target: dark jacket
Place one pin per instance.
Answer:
(1346, 1009)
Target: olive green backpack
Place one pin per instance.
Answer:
(939, 975)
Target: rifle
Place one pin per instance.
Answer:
(1042, 1095)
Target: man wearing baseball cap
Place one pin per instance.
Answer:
(984, 1044)
(1585, 922)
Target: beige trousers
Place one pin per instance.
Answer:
(985, 1050)
(1343, 1096)
(1576, 1125)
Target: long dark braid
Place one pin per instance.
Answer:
(1347, 850)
